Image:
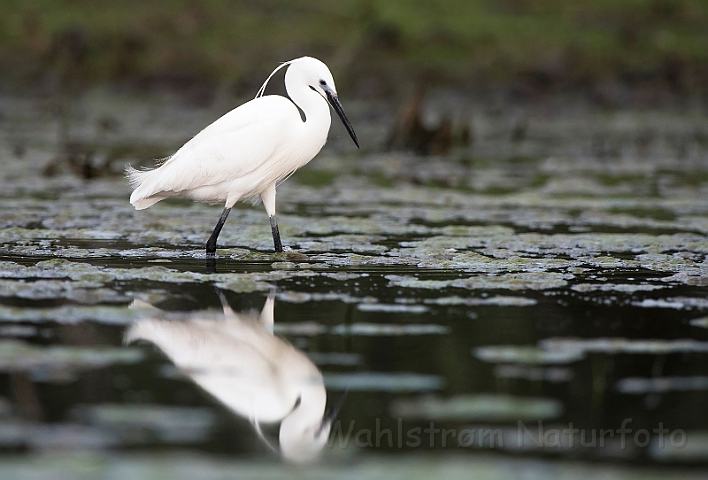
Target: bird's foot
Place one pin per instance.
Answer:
(281, 249)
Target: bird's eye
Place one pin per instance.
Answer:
(323, 83)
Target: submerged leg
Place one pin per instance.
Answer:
(268, 197)
(211, 264)
(276, 234)
(211, 243)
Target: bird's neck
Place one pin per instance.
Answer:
(313, 105)
(309, 412)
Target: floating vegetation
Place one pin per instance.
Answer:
(383, 382)
(59, 362)
(497, 300)
(56, 437)
(335, 358)
(534, 374)
(80, 291)
(388, 308)
(508, 281)
(300, 328)
(613, 287)
(483, 407)
(18, 331)
(621, 345)
(701, 322)
(569, 350)
(527, 354)
(635, 385)
(137, 424)
(379, 329)
(69, 314)
(515, 281)
(693, 451)
(678, 303)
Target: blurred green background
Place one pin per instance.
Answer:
(371, 45)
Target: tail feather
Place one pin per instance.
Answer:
(144, 203)
(140, 198)
(136, 177)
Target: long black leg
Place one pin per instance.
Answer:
(276, 234)
(211, 243)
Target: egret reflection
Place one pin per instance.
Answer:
(239, 361)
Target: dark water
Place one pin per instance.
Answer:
(561, 319)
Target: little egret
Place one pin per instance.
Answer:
(248, 151)
(237, 359)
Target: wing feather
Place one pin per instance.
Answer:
(239, 143)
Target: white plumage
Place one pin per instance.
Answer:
(246, 152)
(239, 361)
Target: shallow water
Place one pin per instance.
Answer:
(544, 298)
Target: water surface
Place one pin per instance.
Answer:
(512, 299)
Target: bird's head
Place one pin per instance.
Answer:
(303, 442)
(315, 74)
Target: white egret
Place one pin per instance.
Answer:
(248, 151)
(238, 360)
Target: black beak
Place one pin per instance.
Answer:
(332, 412)
(337, 106)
